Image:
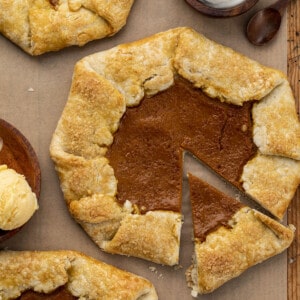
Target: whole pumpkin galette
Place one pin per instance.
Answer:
(133, 110)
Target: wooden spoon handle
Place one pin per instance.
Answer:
(280, 5)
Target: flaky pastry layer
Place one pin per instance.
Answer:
(106, 83)
(83, 276)
(40, 26)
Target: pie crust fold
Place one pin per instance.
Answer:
(39, 26)
(226, 254)
(248, 238)
(83, 276)
(106, 83)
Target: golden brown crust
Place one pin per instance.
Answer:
(105, 83)
(276, 127)
(272, 181)
(137, 235)
(227, 253)
(41, 26)
(84, 277)
(140, 235)
(222, 72)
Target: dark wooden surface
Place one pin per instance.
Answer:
(293, 43)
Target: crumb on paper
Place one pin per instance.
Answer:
(30, 89)
(154, 270)
(194, 293)
(178, 267)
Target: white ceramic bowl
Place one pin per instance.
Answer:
(222, 8)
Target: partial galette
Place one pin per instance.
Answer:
(67, 275)
(39, 26)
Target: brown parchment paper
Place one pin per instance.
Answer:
(33, 92)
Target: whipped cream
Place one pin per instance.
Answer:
(222, 3)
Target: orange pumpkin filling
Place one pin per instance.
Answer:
(147, 151)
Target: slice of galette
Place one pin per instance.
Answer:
(134, 109)
(66, 275)
(39, 26)
(229, 237)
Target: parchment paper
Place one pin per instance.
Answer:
(33, 92)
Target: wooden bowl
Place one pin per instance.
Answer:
(222, 12)
(18, 154)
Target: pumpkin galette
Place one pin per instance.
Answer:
(134, 109)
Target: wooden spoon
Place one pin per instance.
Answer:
(264, 25)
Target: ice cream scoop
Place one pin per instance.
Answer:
(17, 201)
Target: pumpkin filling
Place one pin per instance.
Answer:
(147, 151)
(60, 293)
(210, 207)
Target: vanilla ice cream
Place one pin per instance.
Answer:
(17, 201)
(222, 3)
